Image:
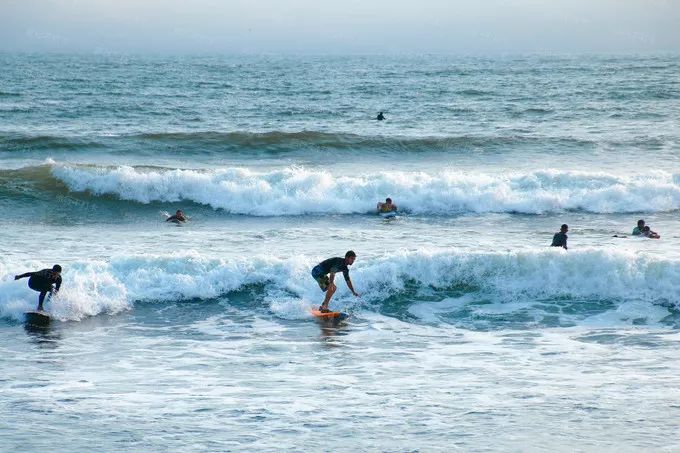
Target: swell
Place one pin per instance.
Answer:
(22, 142)
(278, 142)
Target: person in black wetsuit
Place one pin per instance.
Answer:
(42, 282)
(380, 116)
(177, 218)
(560, 239)
(325, 271)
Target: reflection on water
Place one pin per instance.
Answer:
(331, 328)
(43, 336)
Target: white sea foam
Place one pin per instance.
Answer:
(95, 287)
(296, 191)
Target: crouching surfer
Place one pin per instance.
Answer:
(42, 282)
(324, 274)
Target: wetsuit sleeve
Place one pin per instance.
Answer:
(345, 273)
(27, 274)
(58, 283)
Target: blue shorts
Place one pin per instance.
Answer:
(321, 278)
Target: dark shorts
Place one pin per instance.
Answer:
(39, 284)
(321, 278)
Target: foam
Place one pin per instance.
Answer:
(94, 287)
(297, 191)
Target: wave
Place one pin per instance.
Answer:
(279, 142)
(314, 142)
(580, 279)
(21, 142)
(299, 191)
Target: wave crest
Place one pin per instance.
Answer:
(93, 287)
(298, 191)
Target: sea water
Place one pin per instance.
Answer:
(470, 334)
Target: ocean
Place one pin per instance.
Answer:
(471, 332)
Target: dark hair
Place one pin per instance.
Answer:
(350, 253)
(388, 200)
(641, 222)
(56, 268)
(564, 225)
(646, 228)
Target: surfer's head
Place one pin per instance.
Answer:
(179, 212)
(641, 223)
(56, 268)
(388, 200)
(350, 256)
(564, 228)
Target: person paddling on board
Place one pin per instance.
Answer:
(380, 116)
(560, 239)
(637, 231)
(387, 206)
(177, 218)
(42, 282)
(324, 274)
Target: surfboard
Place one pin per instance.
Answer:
(38, 318)
(330, 316)
(388, 215)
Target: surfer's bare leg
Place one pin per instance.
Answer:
(329, 293)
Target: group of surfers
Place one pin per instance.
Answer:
(49, 280)
(560, 238)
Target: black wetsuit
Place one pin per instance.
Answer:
(42, 282)
(559, 240)
(380, 117)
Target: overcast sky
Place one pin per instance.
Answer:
(340, 26)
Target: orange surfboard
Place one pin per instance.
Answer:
(331, 315)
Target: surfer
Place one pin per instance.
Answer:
(648, 233)
(42, 282)
(324, 274)
(177, 218)
(637, 231)
(380, 116)
(387, 206)
(560, 239)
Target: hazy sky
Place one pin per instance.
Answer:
(340, 26)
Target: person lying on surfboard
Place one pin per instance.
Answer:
(387, 206)
(42, 282)
(178, 217)
(324, 274)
